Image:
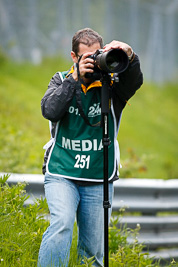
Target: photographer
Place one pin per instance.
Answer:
(73, 162)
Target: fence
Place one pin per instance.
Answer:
(32, 29)
(156, 202)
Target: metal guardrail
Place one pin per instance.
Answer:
(151, 203)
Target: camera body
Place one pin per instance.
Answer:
(112, 61)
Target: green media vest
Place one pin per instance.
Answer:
(77, 149)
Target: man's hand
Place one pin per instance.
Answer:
(85, 65)
(120, 45)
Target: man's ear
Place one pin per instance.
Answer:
(73, 56)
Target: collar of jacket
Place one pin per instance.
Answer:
(86, 88)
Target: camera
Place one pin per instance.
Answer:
(112, 61)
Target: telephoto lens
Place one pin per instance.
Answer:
(113, 61)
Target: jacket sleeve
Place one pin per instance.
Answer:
(129, 81)
(57, 98)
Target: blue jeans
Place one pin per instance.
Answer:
(67, 201)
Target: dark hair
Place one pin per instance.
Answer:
(87, 37)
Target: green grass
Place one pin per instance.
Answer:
(148, 133)
(21, 230)
(149, 130)
(23, 129)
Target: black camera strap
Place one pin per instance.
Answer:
(79, 101)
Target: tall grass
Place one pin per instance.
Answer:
(21, 230)
(148, 133)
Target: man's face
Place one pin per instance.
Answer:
(86, 64)
(85, 49)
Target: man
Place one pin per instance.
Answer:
(73, 164)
